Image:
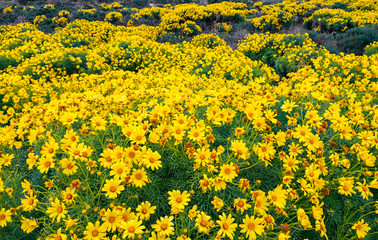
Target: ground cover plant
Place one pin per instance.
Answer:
(143, 123)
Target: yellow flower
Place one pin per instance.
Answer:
(317, 211)
(217, 203)
(203, 223)
(363, 188)
(227, 227)
(346, 186)
(94, 231)
(120, 169)
(59, 235)
(145, 210)
(288, 106)
(69, 166)
(139, 177)
(261, 205)
(28, 225)
(219, 184)
(49, 148)
(252, 226)
(111, 220)
(132, 228)
(137, 136)
(98, 123)
(240, 149)
(205, 183)
(227, 172)
(6, 160)
(127, 214)
(29, 203)
(5, 217)
(178, 199)
(241, 205)
(320, 226)
(45, 163)
(164, 226)
(269, 221)
(152, 160)
(278, 197)
(284, 236)
(70, 222)
(361, 228)
(31, 160)
(68, 118)
(113, 187)
(57, 210)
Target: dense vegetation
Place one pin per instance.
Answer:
(123, 120)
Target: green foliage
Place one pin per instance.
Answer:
(356, 39)
(342, 6)
(371, 49)
(7, 61)
(72, 63)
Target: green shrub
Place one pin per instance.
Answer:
(371, 49)
(6, 61)
(208, 41)
(356, 39)
(342, 6)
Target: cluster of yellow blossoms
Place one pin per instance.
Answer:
(108, 134)
(176, 18)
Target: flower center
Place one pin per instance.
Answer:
(59, 209)
(47, 164)
(251, 226)
(131, 229)
(225, 226)
(94, 233)
(205, 183)
(144, 211)
(240, 203)
(203, 223)
(258, 203)
(111, 219)
(2, 216)
(274, 198)
(138, 176)
(178, 199)
(227, 171)
(113, 189)
(164, 226)
(69, 196)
